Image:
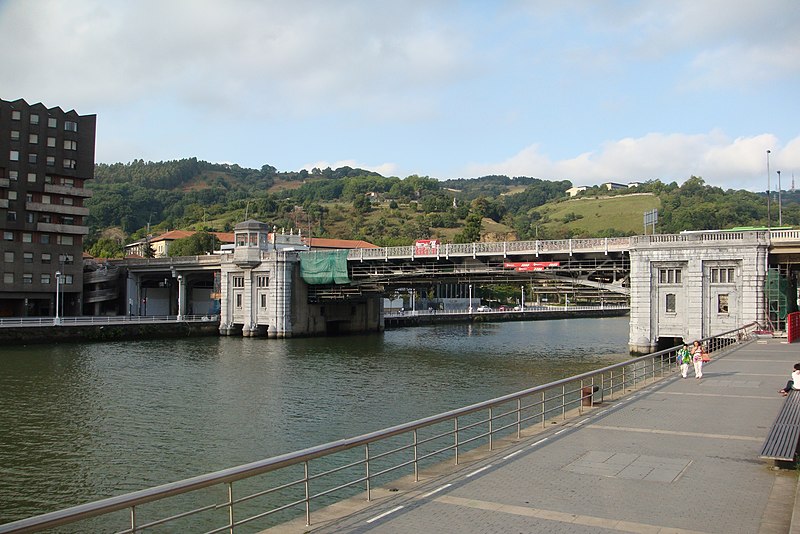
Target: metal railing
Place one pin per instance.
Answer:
(527, 310)
(103, 320)
(288, 486)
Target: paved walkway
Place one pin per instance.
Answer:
(680, 456)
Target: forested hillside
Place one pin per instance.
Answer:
(352, 203)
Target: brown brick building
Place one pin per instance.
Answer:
(46, 156)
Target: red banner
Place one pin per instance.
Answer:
(528, 266)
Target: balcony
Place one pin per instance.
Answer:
(67, 190)
(62, 228)
(57, 208)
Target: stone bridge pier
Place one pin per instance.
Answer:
(689, 286)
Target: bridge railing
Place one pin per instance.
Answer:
(289, 485)
(103, 320)
(502, 248)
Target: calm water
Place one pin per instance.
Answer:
(81, 422)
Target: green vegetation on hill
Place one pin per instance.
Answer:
(352, 203)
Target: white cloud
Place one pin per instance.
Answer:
(723, 162)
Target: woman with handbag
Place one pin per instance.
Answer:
(697, 358)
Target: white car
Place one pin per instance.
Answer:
(484, 308)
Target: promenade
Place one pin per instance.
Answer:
(679, 456)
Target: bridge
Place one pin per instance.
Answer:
(679, 286)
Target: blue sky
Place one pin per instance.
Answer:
(586, 91)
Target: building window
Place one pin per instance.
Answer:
(263, 300)
(8, 278)
(670, 303)
(68, 279)
(70, 126)
(44, 239)
(51, 142)
(238, 281)
(69, 144)
(31, 177)
(69, 182)
(11, 216)
(27, 238)
(29, 217)
(669, 276)
(32, 158)
(52, 122)
(723, 275)
(238, 300)
(27, 257)
(8, 236)
(45, 218)
(13, 155)
(70, 163)
(722, 304)
(67, 201)
(67, 219)
(45, 278)
(51, 161)
(262, 281)
(13, 175)
(15, 135)
(16, 115)
(12, 195)
(66, 259)
(45, 199)
(46, 258)
(8, 256)
(33, 139)
(65, 240)
(34, 118)
(27, 278)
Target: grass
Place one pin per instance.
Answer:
(588, 216)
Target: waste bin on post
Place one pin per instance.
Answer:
(588, 394)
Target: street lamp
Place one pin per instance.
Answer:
(769, 219)
(470, 298)
(522, 308)
(780, 215)
(58, 290)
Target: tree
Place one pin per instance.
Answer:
(195, 245)
(107, 248)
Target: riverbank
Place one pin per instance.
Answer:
(40, 334)
(542, 314)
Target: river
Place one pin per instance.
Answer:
(84, 421)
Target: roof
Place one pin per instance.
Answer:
(321, 242)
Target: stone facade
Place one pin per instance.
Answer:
(693, 285)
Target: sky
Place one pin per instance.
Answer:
(580, 90)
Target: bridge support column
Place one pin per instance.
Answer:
(280, 283)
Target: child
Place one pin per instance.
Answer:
(793, 383)
(684, 358)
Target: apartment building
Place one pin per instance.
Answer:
(46, 157)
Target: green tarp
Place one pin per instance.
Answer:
(324, 267)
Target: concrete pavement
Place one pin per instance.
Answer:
(679, 456)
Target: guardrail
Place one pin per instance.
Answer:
(528, 309)
(103, 320)
(340, 469)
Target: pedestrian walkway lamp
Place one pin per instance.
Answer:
(780, 215)
(57, 320)
(769, 219)
(522, 307)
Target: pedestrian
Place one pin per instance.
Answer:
(697, 358)
(684, 358)
(793, 383)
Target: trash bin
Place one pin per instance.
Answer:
(590, 396)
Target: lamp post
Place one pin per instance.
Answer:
(522, 308)
(780, 215)
(769, 220)
(470, 298)
(57, 320)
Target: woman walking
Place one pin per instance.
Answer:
(697, 358)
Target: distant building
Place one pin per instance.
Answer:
(613, 185)
(160, 244)
(46, 157)
(573, 191)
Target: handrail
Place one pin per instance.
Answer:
(88, 320)
(633, 372)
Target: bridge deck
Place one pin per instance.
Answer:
(678, 456)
